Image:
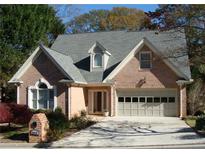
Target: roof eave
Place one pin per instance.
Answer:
(184, 82)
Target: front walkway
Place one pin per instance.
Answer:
(132, 132)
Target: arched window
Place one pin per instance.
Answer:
(42, 86)
(98, 60)
(41, 96)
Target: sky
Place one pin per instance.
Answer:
(145, 7)
(84, 8)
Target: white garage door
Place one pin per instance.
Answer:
(148, 102)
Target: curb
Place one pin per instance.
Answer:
(49, 146)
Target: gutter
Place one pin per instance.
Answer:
(184, 82)
(15, 82)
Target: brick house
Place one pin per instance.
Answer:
(124, 73)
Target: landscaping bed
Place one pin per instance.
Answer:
(59, 127)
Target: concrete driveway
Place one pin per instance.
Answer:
(133, 132)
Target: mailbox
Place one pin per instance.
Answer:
(38, 128)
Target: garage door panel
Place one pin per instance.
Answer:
(127, 106)
(134, 112)
(156, 113)
(149, 113)
(156, 106)
(134, 105)
(142, 105)
(170, 113)
(120, 112)
(149, 106)
(127, 112)
(146, 102)
(141, 112)
(120, 105)
(169, 106)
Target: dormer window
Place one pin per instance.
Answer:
(145, 60)
(98, 57)
(98, 60)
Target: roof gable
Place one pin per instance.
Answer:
(134, 51)
(63, 62)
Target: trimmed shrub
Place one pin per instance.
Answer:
(21, 113)
(57, 120)
(6, 115)
(83, 113)
(200, 122)
(81, 122)
(40, 111)
(58, 110)
(58, 123)
(199, 113)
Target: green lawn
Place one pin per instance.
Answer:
(14, 133)
(191, 122)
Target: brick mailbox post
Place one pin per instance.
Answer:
(38, 128)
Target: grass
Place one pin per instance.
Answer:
(14, 133)
(191, 121)
(9, 134)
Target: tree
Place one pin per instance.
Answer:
(22, 28)
(192, 19)
(119, 18)
(189, 17)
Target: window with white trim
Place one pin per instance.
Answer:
(98, 60)
(145, 60)
(41, 96)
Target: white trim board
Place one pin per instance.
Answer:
(134, 51)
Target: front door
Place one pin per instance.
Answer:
(97, 101)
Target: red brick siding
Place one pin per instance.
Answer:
(159, 76)
(43, 67)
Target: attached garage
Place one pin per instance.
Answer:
(147, 102)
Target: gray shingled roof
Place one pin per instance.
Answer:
(119, 44)
(65, 62)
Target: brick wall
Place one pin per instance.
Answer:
(159, 76)
(42, 67)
